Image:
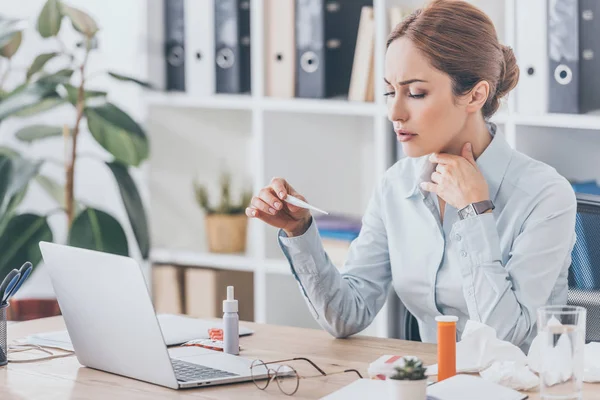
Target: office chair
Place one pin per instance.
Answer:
(583, 280)
(584, 274)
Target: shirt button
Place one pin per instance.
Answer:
(458, 237)
(463, 253)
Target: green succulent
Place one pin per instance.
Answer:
(226, 205)
(413, 370)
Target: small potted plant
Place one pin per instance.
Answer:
(408, 382)
(226, 224)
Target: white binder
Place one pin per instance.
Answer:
(532, 57)
(199, 47)
(281, 48)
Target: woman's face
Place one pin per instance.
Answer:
(425, 113)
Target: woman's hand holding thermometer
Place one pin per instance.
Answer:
(279, 205)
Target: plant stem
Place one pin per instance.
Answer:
(70, 170)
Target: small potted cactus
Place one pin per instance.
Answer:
(408, 381)
(226, 224)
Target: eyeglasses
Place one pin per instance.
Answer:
(288, 379)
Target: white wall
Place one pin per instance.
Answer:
(122, 48)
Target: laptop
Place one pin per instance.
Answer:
(113, 327)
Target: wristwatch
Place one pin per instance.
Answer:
(474, 209)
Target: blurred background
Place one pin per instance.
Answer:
(142, 128)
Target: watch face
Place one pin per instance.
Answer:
(468, 211)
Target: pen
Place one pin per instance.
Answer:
(299, 203)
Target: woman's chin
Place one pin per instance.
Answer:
(410, 150)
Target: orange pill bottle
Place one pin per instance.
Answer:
(446, 342)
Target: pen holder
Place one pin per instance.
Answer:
(3, 334)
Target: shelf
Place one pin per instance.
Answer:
(236, 262)
(180, 99)
(320, 106)
(246, 102)
(572, 121)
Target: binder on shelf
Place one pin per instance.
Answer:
(589, 61)
(199, 47)
(175, 44)
(232, 46)
(326, 33)
(532, 56)
(157, 68)
(563, 56)
(361, 86)
(281, 51)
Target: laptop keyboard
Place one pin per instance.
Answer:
(186, 372)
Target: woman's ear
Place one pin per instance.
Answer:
(477, 97)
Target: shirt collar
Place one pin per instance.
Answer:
(492, 163)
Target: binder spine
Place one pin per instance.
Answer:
(174, 45)
(244, 41)
(563, 56)
(589, 37)
(310, 49)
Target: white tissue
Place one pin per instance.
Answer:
(591, 360)
(512, 375)
(480, 351)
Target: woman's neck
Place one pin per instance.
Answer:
(475, 131)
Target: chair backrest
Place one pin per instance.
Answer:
(584, 273)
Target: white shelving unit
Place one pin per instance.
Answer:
(331, 150)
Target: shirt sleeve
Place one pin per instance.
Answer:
(506, 297)
(345, 301)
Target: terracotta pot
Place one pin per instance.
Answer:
(226, 233)
(407, 390)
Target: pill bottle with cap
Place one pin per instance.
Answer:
(446, 346)
(231, 324)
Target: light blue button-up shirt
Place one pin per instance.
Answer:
(496, 268)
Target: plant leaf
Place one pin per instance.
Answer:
(96, 230)
(36, 132)
(73, 93)
(23, 171)
(39, 63)
(130, 79)
(29, 97)
(44, 105)
(118, 133)
(56, 191)
(50, 19)
(81, 21)
(20, 241)
(6, 173)
(133, 205)
(10, 48)
(58, 77)
(8, 152)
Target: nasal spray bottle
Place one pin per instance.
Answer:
(231, 324)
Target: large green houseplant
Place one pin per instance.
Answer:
(113, 129)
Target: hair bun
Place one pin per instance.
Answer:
(509, 77)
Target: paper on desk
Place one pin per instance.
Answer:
(459, 387)
(176, 329)
(499, 361)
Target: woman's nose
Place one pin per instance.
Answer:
(396, 110)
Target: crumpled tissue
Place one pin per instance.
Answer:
(499, 361)
(561, 359)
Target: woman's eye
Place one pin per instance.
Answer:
(416, 96)
(388, 94)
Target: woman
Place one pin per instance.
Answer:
(464, 225)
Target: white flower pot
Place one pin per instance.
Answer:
(407, 390)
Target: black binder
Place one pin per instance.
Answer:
(232, 46)
(326, 34)
(174, 45)
(563, 56)
(589, 57)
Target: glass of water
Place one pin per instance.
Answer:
(562, 336)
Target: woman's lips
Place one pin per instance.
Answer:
(404, 135)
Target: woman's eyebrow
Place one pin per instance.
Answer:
(407, 82)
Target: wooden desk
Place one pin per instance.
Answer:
(66, 379)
